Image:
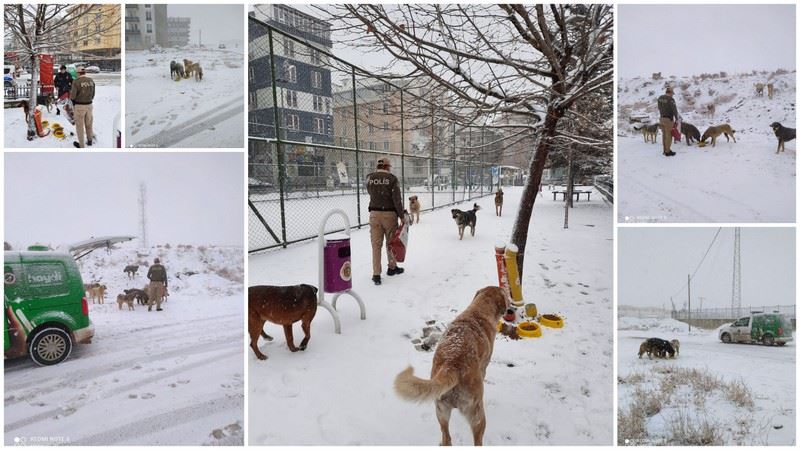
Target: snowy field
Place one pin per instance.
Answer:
(744, 181)
(106, 107)
(711, 394)
(173, 377)
(161, 112)
(553, 390)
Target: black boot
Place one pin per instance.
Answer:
(396, 271)
(376, 279)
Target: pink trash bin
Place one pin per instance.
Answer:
(337, 264)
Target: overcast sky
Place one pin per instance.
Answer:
(693, 39)
(220, 23)
(653, 264)
(62, 198)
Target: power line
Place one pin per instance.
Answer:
(683, 286)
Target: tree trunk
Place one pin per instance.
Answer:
(569, 188)
(519, 235)
(34, 89)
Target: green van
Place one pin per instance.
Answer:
(766, 328)
(46, 308)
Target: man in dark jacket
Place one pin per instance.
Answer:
(385, 209)
(62, 82)
(669, 114)
(157, 275)
(82, 95)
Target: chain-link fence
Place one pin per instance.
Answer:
(734, 313)
(334, 122)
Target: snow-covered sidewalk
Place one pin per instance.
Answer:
(553, 390)
(106, 107)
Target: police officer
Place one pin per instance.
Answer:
(669, 114)
(385, 215)
(157, 275)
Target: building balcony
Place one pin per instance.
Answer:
(131, 18)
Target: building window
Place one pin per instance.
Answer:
(253, 100)
(386, 145)
(371, 128)
(149, 27)
(97, 40)
(369, 110)
(86, 42)
(148, 15)
(291, 99)
(319, 125)
(316, 80)
(291, 121)
(386, 107)
(289, 47)
(385, 126)
(327, 106)
(290, 72)
(318, 104)
(316, 57)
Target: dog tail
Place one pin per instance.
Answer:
(412, 388)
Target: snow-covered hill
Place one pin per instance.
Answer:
(171, 377)
(744, 181)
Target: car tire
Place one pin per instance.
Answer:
(726, 338)
(767, 339)
(50, 346)
(781, 344)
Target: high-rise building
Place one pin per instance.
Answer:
(145, 26)
(178, 29)
(96, 35)
(302, 83)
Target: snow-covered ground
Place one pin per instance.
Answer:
(106, 107)
(708, 401)
(173, 377)
(744, 181)
(161, 112)
(556, 389)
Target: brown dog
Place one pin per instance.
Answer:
(498, 202)
(714, 132)
(282, 305)
(125, 299)
(414, 207)
(459, 365)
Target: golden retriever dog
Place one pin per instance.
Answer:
(98, 292)
(414, 208)
(459, 365)
(498, 203)
(714, 132)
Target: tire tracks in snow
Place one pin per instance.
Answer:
(30, 420)
(191, 127)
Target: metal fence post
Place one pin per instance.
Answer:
(483, 151)
(278, 146)
(433, 142)
(402, 146)
(358, 160)
(453, 175)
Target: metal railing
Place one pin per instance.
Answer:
(334, 120)
(733, 313)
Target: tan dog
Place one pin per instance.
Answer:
(498, 202)
(716, 131)
(711, 109)
(125, 298)
(759, 89)
(770, 90)
(282, 305)
(98, 292)
(414, 207)
(650, 132)
(677, 346)
(459, 365)
(187, 64)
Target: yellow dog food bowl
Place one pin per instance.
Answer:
(529, 330)
(45, 123)
(552, 321)
(701, 144)
(54, 125)
(59, 133)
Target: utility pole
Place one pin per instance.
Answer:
(689, 293)
(143, 213)
(736, 294)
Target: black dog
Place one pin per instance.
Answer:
(139, 295)
(661, 347)
(175, 68)
(465, 219)
(691, 132)
(784, 135)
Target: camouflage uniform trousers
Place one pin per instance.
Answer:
(156, 294)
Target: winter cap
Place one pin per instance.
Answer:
(156, 260)
(63, 67)
(82, 69)
(669, 90)
(384, 162)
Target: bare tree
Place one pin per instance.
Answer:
(532, 62)
(41, 28)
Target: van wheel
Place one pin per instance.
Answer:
(50, 346)
(726, 338)
(768, 339)
(781, 344)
